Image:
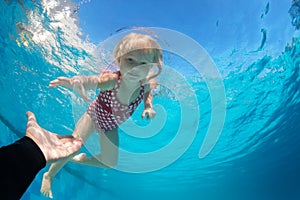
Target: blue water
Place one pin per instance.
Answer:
(258, 152)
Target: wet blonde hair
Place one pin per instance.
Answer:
(137, 41)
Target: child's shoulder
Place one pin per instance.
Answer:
(110, 75)
(108, 80)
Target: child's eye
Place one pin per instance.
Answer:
(129, 59)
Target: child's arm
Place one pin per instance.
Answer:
(105, 81)
(148, 110)
(80, 84)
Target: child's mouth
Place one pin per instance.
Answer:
(132, 74)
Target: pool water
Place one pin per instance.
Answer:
(256, 155)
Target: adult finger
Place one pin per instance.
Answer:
(30, 116)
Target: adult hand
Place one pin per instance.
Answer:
(53, 146)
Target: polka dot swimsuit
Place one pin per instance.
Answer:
(108, 112)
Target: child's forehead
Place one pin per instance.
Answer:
(142, 54)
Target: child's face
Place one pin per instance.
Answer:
(136, 64)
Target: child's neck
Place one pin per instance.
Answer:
(128, 91)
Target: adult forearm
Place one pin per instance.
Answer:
(20, 162)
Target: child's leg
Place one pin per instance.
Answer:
(84, 128)
(109, 144)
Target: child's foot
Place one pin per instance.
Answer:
(79, 158)
(46, 186)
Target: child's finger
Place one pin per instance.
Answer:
(147, 115)
(86, 98)
(143, 115)
(52, 84)
(62, 78)
(55, 82)
(83, 94)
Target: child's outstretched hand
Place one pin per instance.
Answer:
(149, 113)
(71, 83)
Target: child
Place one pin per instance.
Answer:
(120, 94)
